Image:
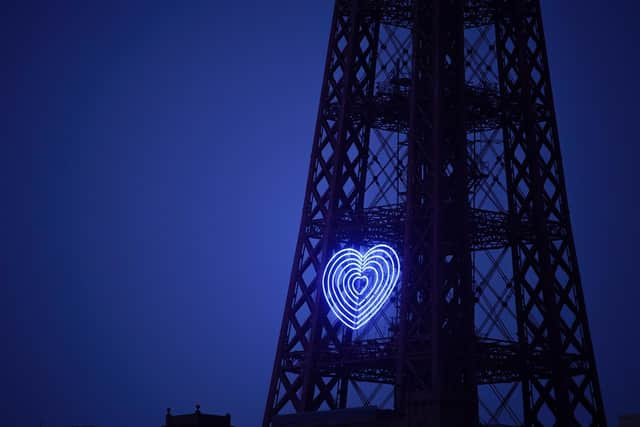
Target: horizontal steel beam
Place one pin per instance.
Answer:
(389, 108)
(399, 13)
(489, 229)
(374, 361)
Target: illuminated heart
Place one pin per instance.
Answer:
(356, 286)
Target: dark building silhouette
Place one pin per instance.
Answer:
(436, 137)
(368, 416)
(354, 417)
(630, 420)
(197, 419)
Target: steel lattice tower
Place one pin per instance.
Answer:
(436, 134)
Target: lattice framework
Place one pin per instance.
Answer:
(436, 133)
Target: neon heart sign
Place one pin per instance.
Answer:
(356, 286)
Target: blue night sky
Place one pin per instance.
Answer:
(153, 164)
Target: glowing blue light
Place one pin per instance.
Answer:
(356, 285)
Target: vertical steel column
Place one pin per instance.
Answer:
(334, 188)
(551, 313)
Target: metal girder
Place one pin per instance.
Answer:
(400, 13)
(334, 183)
(389, 108)
(374, 361)
(550, 304)
(489, 229)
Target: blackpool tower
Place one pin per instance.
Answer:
(435, 274)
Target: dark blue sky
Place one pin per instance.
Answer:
(153, 159)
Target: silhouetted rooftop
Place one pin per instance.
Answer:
(197, 419)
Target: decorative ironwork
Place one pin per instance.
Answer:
(436, 134)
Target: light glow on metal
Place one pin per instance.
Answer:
(356, 286)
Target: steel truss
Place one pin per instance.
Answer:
(436, 134)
